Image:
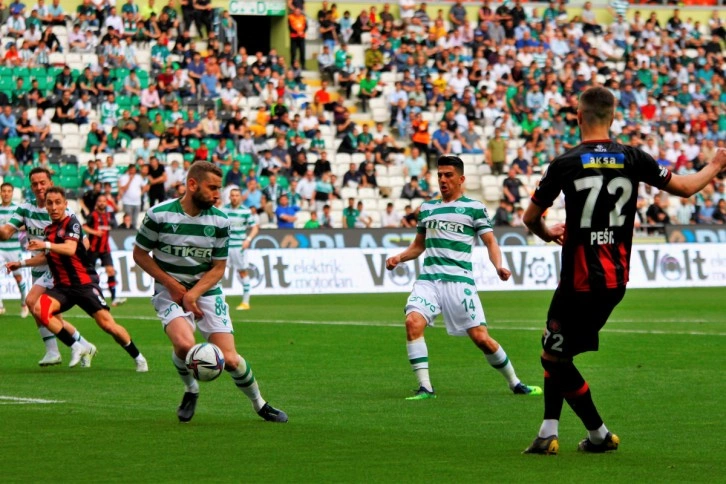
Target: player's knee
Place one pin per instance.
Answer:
(42, 309)
(415, 325)
(231, 360)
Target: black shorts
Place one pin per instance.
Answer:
(106, 259)
(575, 319)
(87, 296)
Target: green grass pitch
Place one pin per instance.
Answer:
(338, 366)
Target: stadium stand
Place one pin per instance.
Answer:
(498, 88)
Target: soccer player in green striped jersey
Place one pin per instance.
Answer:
(189, 240)
(447, 230)
(10, 250)
(35, 218)
(241, 221)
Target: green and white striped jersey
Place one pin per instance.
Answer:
(109, 174)
(35, 219)
(13, 243)
(451, 230)
(184, 246)
(240, 221)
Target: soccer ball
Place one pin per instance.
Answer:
(205, 361)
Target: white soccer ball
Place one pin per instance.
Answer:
(205, 361)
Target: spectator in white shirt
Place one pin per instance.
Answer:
(131, 189)
(390, 218)
(115, 21)
(306, 187)
(150, 97)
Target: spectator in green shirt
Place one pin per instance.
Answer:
(313, 222)
(367, 90)
(496, 153)
(350, 214)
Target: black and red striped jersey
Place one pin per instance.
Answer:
(104, 222)
(70, 270)
(600, 182)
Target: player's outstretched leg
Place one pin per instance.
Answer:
(23, 287)
(546, 441)
(181, 335)
(52, 353)
(106, 322)
(418, 355)
(245, 304)
(44, 311)
(499, 360)
(244, 378)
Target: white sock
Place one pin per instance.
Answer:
(598, 435)
(548, 427)
(79, 338)
(244, 379)
(23, 287)
(190, 383)
(246, 289)
(418, 356)
(51, 344)
(500, 362)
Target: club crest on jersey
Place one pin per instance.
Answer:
(460, 210)
(209, 231)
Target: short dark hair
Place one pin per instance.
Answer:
(39, 169)
(597, 105)
(6, 184)
(454, 161)
(200, 169)
(59, 190)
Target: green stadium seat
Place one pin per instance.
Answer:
(55, 167)
(38, 72)
(14, 141)
(14, 180)
(189, 157)
(194, 143)
(264, 182)
(6, 71)
(225, 169)
(284, 182)
(69, 170)
(7, 84)
(69, 182)
(21, 72)
(211, 143)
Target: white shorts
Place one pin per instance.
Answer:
(44, 279)
(457, 302)
(216, 313)
(12, 256)
(237, 259)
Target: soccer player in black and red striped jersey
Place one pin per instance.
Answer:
(98, 225)
(600, 180)
(75, 280)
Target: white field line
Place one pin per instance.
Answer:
(8, 400)
(494, 327)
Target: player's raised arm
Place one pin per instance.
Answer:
(67, 247)
(495, 254)
(689, 185)
(417, 247)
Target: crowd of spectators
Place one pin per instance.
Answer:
(498, 87)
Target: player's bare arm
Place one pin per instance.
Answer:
(68, 247)
(210, 279)
(37, 260)
(534, 222)
(97, 233)
(417, 247)
(689, 185)
(148, 265)
(495, 255)
(7, 231)
(253, 233)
